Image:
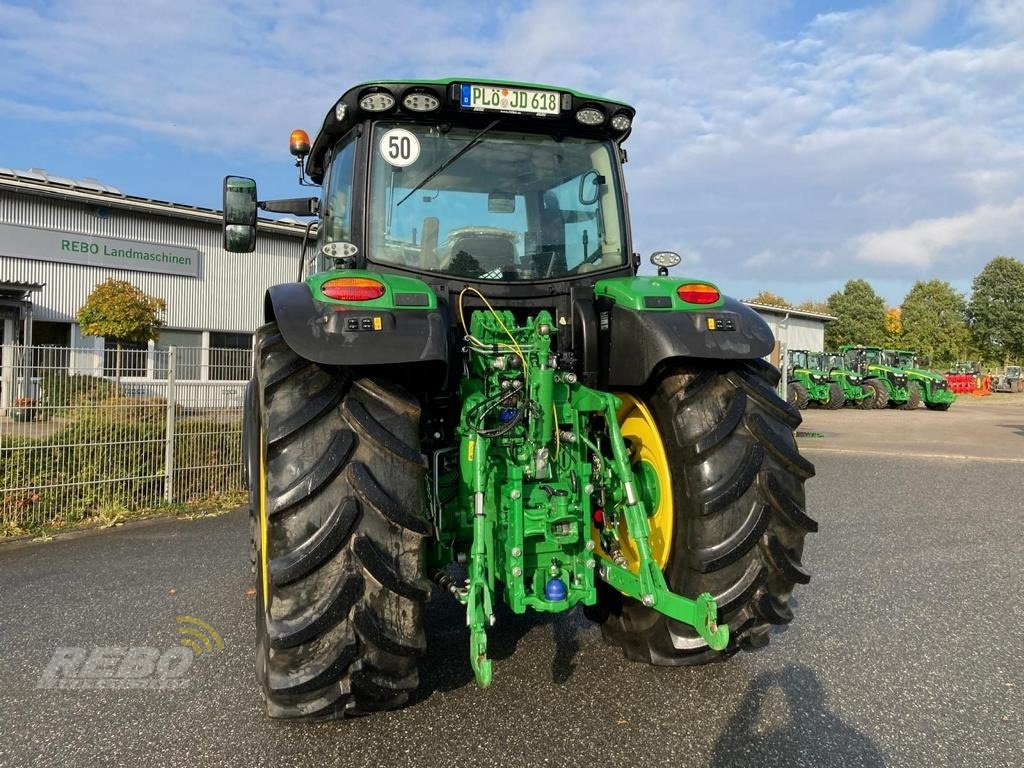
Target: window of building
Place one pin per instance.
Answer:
(188, 354)
(52, 343)
(230, 356)
(133, 357)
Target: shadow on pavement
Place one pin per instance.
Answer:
(1018, 428)
(445, 667)
(811, 735)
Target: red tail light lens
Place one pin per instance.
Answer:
(353, 289)
(698, 293)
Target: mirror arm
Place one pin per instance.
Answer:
(298, 206)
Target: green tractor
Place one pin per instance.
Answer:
(855, 391)
(932, 388)
(890, 384)
(808, 383)
(470, 391)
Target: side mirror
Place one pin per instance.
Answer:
(596, 180)
(239, 214)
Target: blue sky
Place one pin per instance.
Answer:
(779, 145)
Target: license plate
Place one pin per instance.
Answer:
(500, 98)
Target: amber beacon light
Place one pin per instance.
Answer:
(298, 143)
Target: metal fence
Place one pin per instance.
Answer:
(85, 433)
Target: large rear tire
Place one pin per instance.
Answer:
(796, 394)
(881, 393)
(340, 530)
(914, 399)
(836, 398)
(867, 403)
(738, 507)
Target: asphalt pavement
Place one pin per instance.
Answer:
(907, 648)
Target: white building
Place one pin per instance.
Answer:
(59, 238)
(793, 329)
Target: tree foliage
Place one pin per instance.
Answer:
(933, 321)
(859, 313)
(116, 309)
(770, 299)
(996, 309)
(813, 305)
(893, 326)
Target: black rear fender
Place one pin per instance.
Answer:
(635, 342)
(351, 336)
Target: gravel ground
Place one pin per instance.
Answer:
(906, 651)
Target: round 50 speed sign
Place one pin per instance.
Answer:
(399, 147)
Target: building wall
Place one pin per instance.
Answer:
(797, 332)
(227, 296)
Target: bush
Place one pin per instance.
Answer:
(113, 455)
(61, 390)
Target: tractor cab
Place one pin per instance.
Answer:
(466, 181)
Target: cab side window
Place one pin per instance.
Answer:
(337, 200)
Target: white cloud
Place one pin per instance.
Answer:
(925, 242)
(830, 142)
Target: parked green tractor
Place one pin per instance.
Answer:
(891, 386)
(807, 383)
(470, 391)
(962, 367)
(933, 389)
(855, 391)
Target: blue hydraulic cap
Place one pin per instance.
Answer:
(555, 590)
(507, 414)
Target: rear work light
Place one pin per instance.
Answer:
(353, 289)
(698, 293)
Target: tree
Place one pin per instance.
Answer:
(813, 305)
(118, 310)
(859, 313)
(893, 326)
(996, 309)
(770, 299)
(933, 321)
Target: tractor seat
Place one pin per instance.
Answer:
(489, 251)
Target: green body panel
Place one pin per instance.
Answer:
(816, 390)
(393, 284)
(631, 292)
(933, 387)
(518, 500)
(871, 368)
(897, 392)
(850, 381)
(853, 390)
(808, 369)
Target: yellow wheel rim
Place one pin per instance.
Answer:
(264, 569)
(653, 480)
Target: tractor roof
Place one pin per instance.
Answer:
(468, 101)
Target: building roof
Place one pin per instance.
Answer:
(36, 181)
(18, 290)
(775, 310)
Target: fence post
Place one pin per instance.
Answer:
(169, 445)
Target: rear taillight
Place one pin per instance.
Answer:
(698, 293)
(353, 289)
